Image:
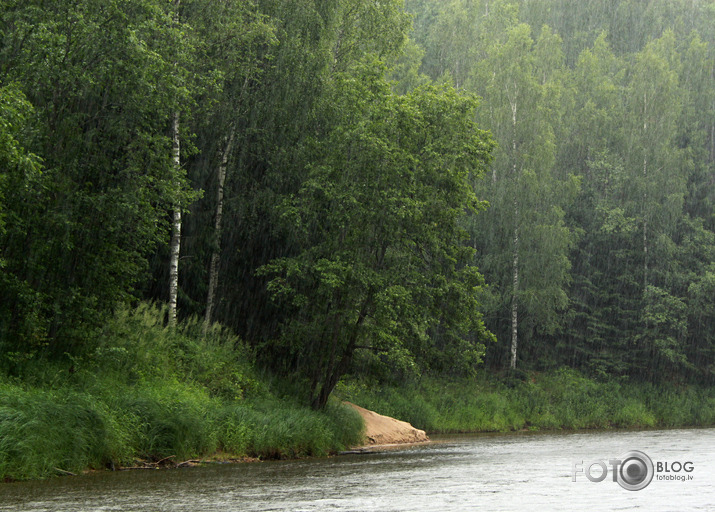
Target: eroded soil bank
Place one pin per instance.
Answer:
(383, 430)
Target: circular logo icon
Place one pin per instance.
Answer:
(636, 471)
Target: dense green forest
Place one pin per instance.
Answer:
(314, 175)
(598, 243)
(374, 189)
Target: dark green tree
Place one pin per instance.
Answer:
(101, 77)
(382, 265)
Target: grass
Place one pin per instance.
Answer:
(49, 432)
(146, 393)
(46, 432)
(559, 400)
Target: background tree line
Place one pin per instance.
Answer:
(598, 242)
(331, 168)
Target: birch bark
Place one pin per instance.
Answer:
(175, 246)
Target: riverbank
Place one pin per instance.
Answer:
(146, 394)
(106, 423)
(558, 400)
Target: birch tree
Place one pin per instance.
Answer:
(175, 244)
(522, 238)
(237, 43)
(218, 228)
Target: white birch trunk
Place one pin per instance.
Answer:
(514, 294)
(515, 249)
(175, 246)
(216, 254)
(645, 226)
(175, 230)
(645, 193)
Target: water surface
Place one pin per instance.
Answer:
(472, 472)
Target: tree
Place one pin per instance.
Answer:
(175, 244)
(382, 261)
(100, 78)
(269, 61)
(236, 40)
(19, 174)
(601, 292)
(522, 238)
(656, 185)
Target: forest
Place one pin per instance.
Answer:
(341, 192)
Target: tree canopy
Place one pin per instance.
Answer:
(367, 187)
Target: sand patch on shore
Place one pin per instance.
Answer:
(383, 430)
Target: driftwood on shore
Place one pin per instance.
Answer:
(166, 462)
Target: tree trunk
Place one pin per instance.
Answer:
(175, 230)
(712, 122)
(515, 249)
(514, 293)
(645, 226)
(216, 254)
(320, 400)
(175, 247)
(645, 193)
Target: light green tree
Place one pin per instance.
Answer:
(522, 238)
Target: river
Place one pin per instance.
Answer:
(512, 472)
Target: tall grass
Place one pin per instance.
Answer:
(279, 430)
(144, 393)
(44, 432)
(559, 400)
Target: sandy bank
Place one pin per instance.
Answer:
(382, 430)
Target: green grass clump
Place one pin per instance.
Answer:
(144, 392)
(170, 418)
(46, 432)
(274, 430)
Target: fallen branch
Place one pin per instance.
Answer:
(159, 462)
(65, 472)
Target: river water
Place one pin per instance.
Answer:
(510, 472)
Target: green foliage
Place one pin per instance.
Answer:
(382, 260)
(103, 79)
(599, 183)
(136, 345)
(19, 170)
